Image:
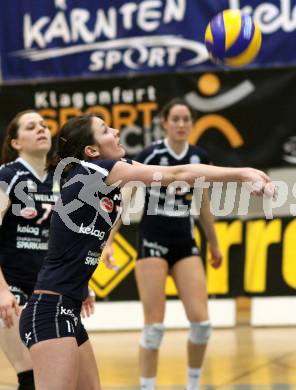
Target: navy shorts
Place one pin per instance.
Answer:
(20, 295)
(48, 316)
(171, 252)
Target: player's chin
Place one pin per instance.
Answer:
(182, 137)
(121, 151)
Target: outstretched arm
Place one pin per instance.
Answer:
(125, 173)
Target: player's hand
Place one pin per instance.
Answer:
(216, 257)
(8, 307)
(260, 183)
(108, 258)
(88, 305)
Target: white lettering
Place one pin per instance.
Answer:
(28, 229)
(58, 29)
(175, 10)
(32, 33)
(91, 231)
(79, 18)
(106, 26)
(147, 16)
(127, 11)
(41, 100)
(270, 17)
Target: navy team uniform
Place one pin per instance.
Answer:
(166, 228)
(80, 226)
(25, 227)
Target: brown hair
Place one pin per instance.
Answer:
(8, 152)
(164, 113)
(72, 139)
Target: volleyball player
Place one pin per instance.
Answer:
(89, 205)
(27, 196)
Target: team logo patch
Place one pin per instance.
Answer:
(164, 161)
(194, 159)
(28, 213)
(107, 204)
(31, 185)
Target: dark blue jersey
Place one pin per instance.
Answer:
(25, 227)
(167, 210)
(80, 226)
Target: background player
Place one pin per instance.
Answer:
(167, 246)
(26, 184)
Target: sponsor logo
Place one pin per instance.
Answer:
(45, 198)
(91, 260)
(28, 337)
(155, 245)
(36, 246)
(28, 230)
(69, 312)
(28, 212)
(283, 14)
(109, 46)
(91, 231)
(107, 204)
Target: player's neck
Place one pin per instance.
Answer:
(38, 163)
(177, 146)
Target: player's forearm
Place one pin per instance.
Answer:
(207, 223)
(207, 220)
(189, 173)
(3, 284)
(114, 231)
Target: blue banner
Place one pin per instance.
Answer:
(72, 38)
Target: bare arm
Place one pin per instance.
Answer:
(8, 303)
(206, 220)
(124, 173)
(127, 196)
(4, 205)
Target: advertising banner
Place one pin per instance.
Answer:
(69, 39)
(258, 260)
(243, 118)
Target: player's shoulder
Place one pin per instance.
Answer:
(100, 166)
(155, 148)
(156, 145)
(12, 169)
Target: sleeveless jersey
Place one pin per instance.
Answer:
(167, 209)
(81, 222)
(25, 227)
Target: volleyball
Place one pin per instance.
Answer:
(232, 38)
